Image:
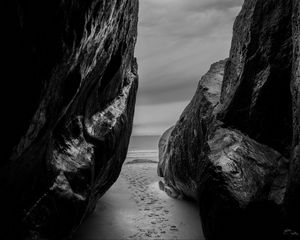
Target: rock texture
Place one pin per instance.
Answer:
(293, 193)
(260, 92)
(186, 142)
(258, 72)
(68, 117)
(225, 170)
(237, 152)
(241, 187)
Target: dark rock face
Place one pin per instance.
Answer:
(259, 70)
(261, 88)
(226, 171)
(241, 188)
(237, 152)
(72, 92)
(186, 142)
(162, 149)
(293, 191)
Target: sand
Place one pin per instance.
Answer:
(135, 208)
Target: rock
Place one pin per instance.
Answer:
(241, 188)
(238, 182)
(72, 87)
(181, 146)
(261, 88)
(162, 149)
(290, 235)
(256, 96)
(169, 190)
(230, 150)
(293, 191)
(212, 82)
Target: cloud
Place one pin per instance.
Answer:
(170, 74)
(177, 42)
(155, 119)
(205, 5)
(184, 18)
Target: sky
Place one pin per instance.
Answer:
(178, 40)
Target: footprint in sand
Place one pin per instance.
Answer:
(154, 217)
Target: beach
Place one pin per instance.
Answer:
(135, 207)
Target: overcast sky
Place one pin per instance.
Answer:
(177, 42)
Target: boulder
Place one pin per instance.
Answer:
(181, 146)
(241, 188)
(238, 152)
(239, 183)
(71, 88)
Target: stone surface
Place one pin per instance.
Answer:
(261, 88)
(256, 94)
(241, 188)
(68, 117)
(239, 156)
(162, 147)
(238, 182)
(181, 146)
(293, 192)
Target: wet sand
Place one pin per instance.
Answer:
(135, 208)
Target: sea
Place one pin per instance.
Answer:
(143, 147)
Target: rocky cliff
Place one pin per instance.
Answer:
(237, 153)
(293, 190)
(69, 105)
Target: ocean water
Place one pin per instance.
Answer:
(144, 147)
